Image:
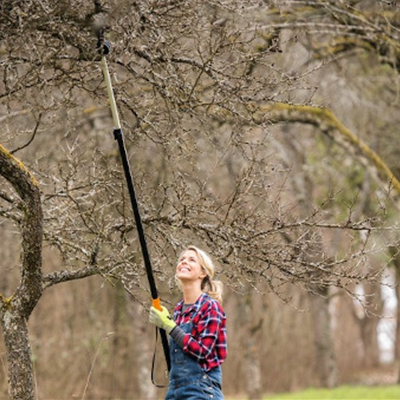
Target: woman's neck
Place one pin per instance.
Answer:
(191, 293)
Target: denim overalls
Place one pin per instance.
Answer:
(187, 380)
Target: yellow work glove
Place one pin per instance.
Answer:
(161, 319)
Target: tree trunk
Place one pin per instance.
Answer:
(247, 318)
(369, 324)
(394, 252)
(397, 338)
(325, 357)
(16, 309)
(20, 368)
(319, 296)
(253, 367)
(396, 264)
(143, 351)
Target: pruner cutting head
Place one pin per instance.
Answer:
(103, 45)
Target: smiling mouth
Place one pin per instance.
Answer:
(184, 269)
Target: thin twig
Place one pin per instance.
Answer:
(32, 137)
(93, 363)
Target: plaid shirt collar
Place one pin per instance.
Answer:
(195, 307)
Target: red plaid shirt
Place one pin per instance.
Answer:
(207, 341)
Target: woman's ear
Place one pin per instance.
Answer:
(203, 274)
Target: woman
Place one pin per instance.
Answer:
(198, 344)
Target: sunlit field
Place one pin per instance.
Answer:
(343, 393)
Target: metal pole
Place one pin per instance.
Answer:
(119, 137)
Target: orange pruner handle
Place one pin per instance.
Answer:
(157, 304)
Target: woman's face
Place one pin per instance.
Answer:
(189, 268)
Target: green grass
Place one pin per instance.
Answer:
(343, 393)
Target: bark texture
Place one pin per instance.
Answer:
(16, 309)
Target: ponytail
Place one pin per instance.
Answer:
(213, 288)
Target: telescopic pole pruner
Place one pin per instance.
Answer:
(104, 48)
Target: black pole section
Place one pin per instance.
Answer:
(156, 302)
(125, 162)
(104, 48)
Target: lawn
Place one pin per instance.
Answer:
(343, 393)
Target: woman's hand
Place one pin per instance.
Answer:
(161, 319)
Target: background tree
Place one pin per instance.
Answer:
(228, 109)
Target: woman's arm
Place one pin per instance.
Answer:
(210, 321)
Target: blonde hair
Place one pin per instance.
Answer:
(209, 285)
